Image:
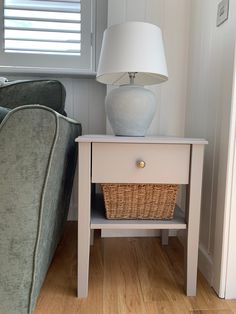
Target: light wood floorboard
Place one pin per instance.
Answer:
(127, 275)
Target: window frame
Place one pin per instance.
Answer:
(48, 63)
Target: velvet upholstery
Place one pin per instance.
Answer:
(50, 93)
(37, 164)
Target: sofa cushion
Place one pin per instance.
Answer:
(50, 93)
(3, 113)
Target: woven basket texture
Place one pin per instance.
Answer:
(140, 201)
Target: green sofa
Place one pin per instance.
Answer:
(37, 164)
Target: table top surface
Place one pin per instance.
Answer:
(142, 140)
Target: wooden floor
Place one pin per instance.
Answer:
(127, 275)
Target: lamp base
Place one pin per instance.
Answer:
(130, 110)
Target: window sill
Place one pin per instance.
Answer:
(62, 72)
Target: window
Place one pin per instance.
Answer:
(47, 36)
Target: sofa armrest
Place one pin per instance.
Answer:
(37, 162)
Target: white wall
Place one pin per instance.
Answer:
(208, 113)
(172, 16)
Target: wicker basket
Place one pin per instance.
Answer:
(140, 201)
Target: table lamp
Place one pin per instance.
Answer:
(132, 55)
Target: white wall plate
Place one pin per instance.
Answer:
(222, 12)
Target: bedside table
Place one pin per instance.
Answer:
(113, 159)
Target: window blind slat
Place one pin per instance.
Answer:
(64, 6)
(40, 20)
(70, 1)
(53, 52)
(42, 35)
(42, 40)
(54, 16)
(43, 46)
(44, 9)
(44, 30)
(31, 25)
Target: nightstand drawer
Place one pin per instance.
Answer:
(118, 163)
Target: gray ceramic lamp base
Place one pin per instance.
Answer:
(130, 110)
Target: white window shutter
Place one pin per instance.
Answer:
(48, 34)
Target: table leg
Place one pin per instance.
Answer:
(84, 208)
(193, 219)
(164, 237)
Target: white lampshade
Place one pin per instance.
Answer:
(132, 47)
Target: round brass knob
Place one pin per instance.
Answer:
(141, 164)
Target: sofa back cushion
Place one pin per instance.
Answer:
(50, 93)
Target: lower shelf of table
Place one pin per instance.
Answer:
(99, 221)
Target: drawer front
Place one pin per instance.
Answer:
(117, 163)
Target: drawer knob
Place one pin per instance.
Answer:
(141, 164)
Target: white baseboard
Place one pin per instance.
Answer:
(205, 264)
